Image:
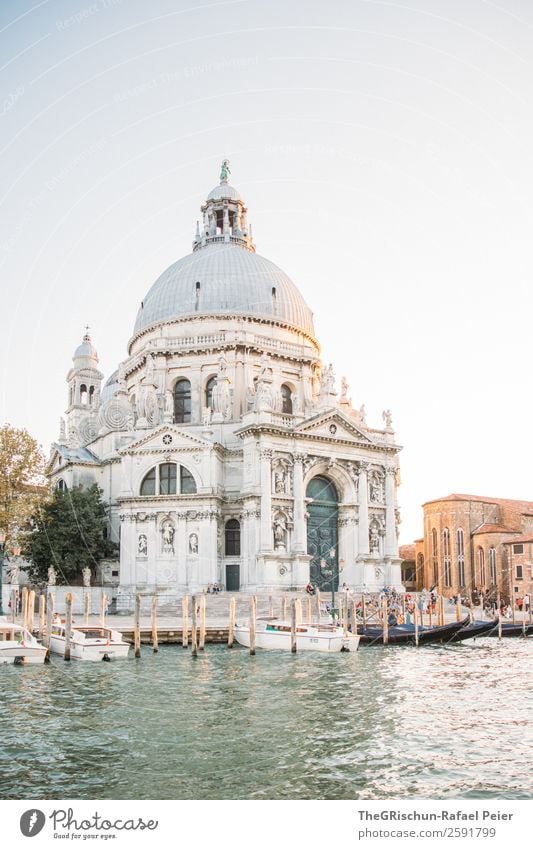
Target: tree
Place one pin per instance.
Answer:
(68, 534)
(22, 482)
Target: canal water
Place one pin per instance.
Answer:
(437, 722)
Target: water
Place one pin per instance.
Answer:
(435, 722)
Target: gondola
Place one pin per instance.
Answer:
(478, 628)
(405, 634)
(512, 629)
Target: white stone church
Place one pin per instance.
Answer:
(220, 443)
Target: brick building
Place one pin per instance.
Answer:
(476, 543)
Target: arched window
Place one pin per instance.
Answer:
(446, 562)
(481, 567)
(435, 555)
(286, 399)
(91, 394)
(187, 482)
(233, 538)
(182, 402)
(210, 385)
(167, 479)
(163, 480)
(148, 484)
(492, 565)
(461, 557)
(83, 394)
(61, 485)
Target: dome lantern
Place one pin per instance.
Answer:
(224, 216)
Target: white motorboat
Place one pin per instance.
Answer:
(276, 634)
(18, 646)
(89, 642)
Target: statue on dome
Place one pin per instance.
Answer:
(387, 418)
(224, 171)
(344, 390)
(362, 414)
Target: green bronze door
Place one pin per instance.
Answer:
(322, 533)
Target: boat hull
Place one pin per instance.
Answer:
(281, 640)
(23, 655)
(405, 634)
(93, 652)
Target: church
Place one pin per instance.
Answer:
(222, 447)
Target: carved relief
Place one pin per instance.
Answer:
(167, 537)
(142, 545)
(87, 429)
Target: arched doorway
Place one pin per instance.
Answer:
(322, 532)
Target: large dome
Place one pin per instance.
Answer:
(224, 277)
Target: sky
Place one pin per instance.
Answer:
(384, 153)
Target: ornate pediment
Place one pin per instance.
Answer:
(166, 438)
(333, 425)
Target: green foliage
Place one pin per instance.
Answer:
(68, 534)
(22, 482)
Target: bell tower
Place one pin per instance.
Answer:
(84, 382)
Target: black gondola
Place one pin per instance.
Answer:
(479, 628)
(405, 634)
(512, 629)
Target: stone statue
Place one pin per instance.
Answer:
(344, 390)
(86, 576)
(167, 533)
(62, 431)
(374, 540)
(387, 418)
(280, 530)
(52, 576)
(330, 380)
(362, 414)
(193, 544)
(150, 370)
(279, 481)
(224, 171)
(15, 572)
(142, 545)
(206, 416)
(266, 371)
(376, 491)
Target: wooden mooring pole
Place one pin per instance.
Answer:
(253, 612)
(103, 605)
(201, 641)
(441, 609)
(270, 607)
(458, 607)
(194, 632)
(363, 605)
(385, 615)
(25, 607)
(137, 626)
(86, 607)
(293, 626)
(317, 605)
(231, 623)
(68, 624)
(298, 608)
(155, 641)
(42, 615)
(354, 613)
(185, 621)
(31, 610)
(499, 603)
(415, 617)
(49, 615)
(283, 606)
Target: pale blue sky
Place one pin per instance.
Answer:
(384, 151)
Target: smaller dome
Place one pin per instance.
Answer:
(86, 351)
(110, 387)
(224, 192)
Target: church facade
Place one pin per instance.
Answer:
(221, 445)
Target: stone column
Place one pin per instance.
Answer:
(128, 551)
(266, 499)
(299, 537)
(363, 510)
(390, 520)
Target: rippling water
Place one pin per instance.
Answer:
(386, 722)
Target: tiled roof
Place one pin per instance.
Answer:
(511, 503)
(407, 552)
(523, 538)
(487, 528)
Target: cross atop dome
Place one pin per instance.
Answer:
(224, 216)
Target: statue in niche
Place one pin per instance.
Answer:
(86, 576)
(376, 491)
(374, 539)
(193, 544)
(280, 533)
(167, 534)
(279, 481)
(142, 545)
(387, 418)
(52, 577)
